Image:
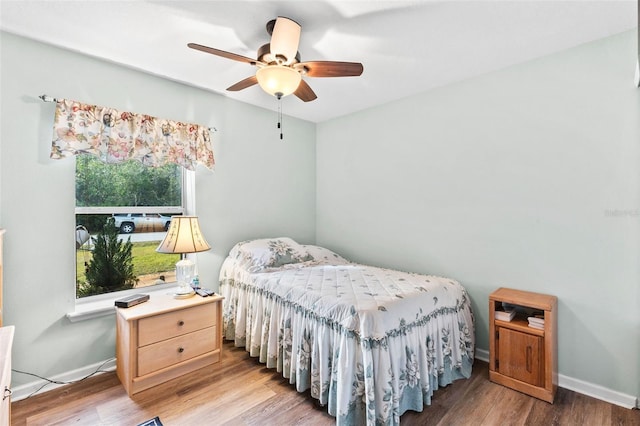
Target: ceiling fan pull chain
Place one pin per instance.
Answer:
(280, 116)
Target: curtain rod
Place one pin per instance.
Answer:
(47, 98)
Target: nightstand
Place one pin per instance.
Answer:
(165, 337)
(521, 357)
(6, 343)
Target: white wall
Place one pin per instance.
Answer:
(509, 179)
(261, 186)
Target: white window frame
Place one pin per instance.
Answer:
(104, 304)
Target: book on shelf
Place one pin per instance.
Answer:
(505, 315)
(536, 325)
(536, 320)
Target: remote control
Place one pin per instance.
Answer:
(202, 292)
(209, 292)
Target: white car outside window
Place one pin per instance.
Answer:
(141, 222)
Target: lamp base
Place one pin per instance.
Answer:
(184, 295)
(185, 271)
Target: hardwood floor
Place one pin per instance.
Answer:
(241, 391)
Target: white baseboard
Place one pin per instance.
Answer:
(482, 355)
(597, 391)
(585, 388)
(576, 385)
(33, 388)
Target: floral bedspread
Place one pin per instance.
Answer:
(369, 342)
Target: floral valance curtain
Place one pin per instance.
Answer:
(117, 136)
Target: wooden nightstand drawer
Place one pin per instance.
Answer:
(521, 356)
(164, 338)
(172, 351)
(176, 323)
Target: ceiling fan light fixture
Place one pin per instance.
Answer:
(278, 80)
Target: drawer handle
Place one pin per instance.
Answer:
(180, 349)
(180, 323)
(7, 393)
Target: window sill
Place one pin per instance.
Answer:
(102, 306)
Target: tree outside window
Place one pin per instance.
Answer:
(122, 213)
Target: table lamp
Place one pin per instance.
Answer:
(184, 236)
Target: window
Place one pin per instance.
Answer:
(122, 214)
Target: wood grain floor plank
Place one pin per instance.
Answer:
(543, 413)
(445, 399)
(477, 405)
(512, 410)
(288, 408)
(240, 391)
(589, 411)
(621, 416)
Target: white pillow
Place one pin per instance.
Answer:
(324, 255)
(256, 255)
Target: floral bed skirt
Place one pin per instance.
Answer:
(292, 323)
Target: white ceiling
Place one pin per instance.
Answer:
(406, 46)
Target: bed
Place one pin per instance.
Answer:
(369, 343)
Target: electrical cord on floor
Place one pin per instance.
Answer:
(59, 382)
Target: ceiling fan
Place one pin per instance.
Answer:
(279, 68)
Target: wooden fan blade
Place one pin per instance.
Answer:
(332, 69)
(222, 53)
(304, 92)
(243, 84)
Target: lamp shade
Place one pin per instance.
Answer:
(278, 80)
(183, 236)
